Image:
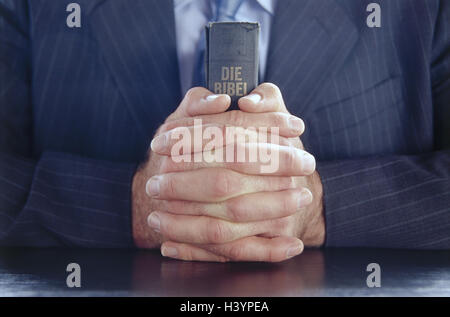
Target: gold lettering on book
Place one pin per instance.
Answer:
(231, 82)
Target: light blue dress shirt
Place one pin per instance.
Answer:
(191, 16)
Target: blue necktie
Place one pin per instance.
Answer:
(225, 12)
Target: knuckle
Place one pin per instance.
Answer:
(191, 93)
(273, 255)
(290, 159)
(170, 125)
(216, 232)
(168, 187)
(193, 96)
(166, 228)
(235, 252)
(271, 88)
(234, 210)
(290, 203)
(222, 184)
(274, 93)
(164, 127)
(187, 254)
(236, 117)
(284, 141)
(289, 182)
(280, 226)
(279, 119)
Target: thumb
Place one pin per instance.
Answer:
(200, 101)
(264, 98)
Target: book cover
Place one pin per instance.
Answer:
(232, 58)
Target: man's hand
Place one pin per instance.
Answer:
(142, 204)
(251, 217)
(185, 185)
(310, 221)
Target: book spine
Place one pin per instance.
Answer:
(232, 58)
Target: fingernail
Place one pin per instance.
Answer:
(296, 124)
(305, 198)
(254, 98)
(159, 143)
(152, 187)
(309, 163)
(294, 250)
(212, 97)
(154, 222)
(168, 251)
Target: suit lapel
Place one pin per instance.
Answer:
(310, 40)
(137, 40)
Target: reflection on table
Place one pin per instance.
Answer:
(329, 272)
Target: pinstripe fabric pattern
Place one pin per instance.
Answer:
(366, 109)
(68, 201)
(82, 104)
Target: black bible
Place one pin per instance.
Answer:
(232, 58)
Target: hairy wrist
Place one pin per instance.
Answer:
(314, 233)
(142, 205)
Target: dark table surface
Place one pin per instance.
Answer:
(330, 272)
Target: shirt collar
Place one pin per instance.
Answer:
(268, 5)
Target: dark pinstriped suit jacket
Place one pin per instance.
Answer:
(78, 108)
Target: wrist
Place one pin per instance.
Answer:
(314, 233)
(142, 206)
